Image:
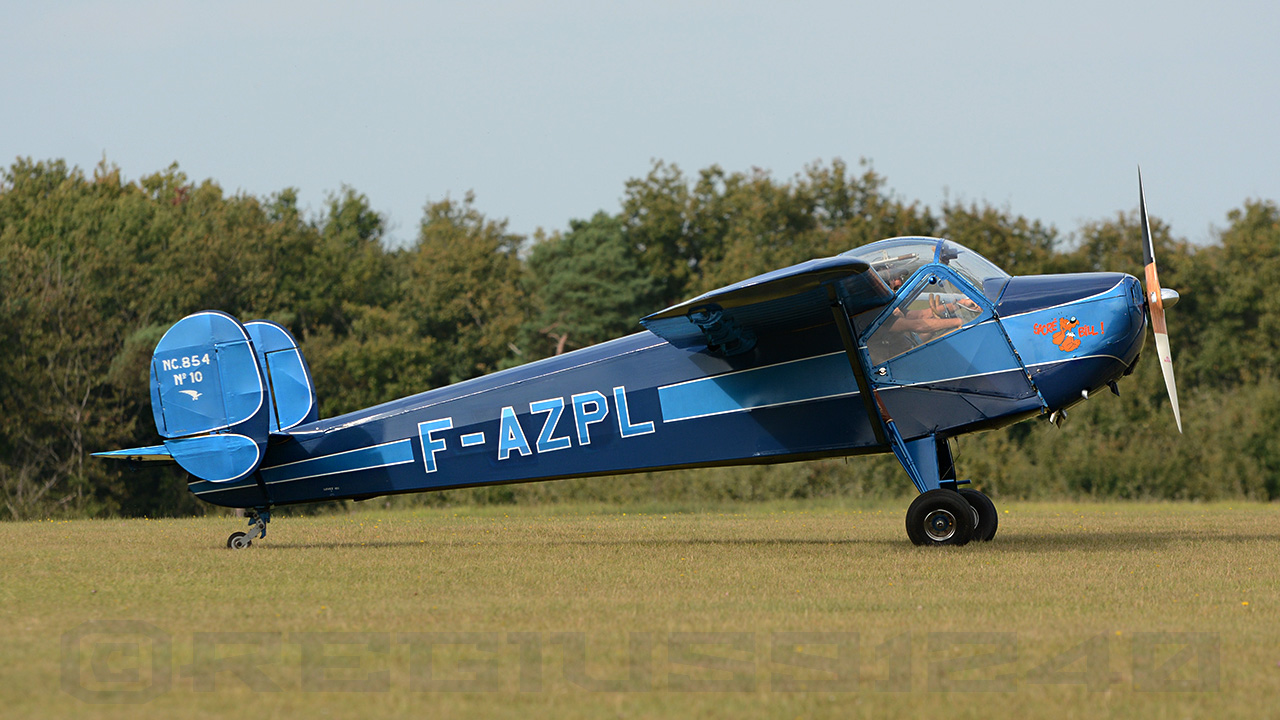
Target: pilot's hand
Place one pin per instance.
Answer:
(941, 309)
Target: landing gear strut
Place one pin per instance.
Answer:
(258, 519)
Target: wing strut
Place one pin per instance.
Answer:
(860, 373)
(927, 460)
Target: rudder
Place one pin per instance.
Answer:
(291, 391)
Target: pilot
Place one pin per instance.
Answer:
(895, 279)
(917, 327)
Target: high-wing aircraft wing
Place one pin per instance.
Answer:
(730, 320)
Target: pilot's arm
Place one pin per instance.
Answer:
(923, 321)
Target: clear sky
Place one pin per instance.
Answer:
(545, 109)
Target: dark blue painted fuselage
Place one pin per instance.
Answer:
(1032, 345)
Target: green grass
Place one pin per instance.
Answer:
(1073, 595)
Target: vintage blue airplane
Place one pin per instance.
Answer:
(896, 346)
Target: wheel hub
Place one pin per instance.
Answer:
(940, 525)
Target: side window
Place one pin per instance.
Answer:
(934, 310)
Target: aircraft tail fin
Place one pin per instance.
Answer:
(219, 390)
(209, 397)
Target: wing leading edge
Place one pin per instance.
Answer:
(730, 320)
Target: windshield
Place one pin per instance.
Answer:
(975, 268)
(896, 259)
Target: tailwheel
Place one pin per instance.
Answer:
(258, 519)
(940, 517)
(987, 520)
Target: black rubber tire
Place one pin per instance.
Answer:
(988, 519)
(239, 541)
(940, 517)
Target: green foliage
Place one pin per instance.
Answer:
(382, 358)
(465, 289)
(590, 287)
(1018, 245)
(94, 268)
(1240, 282)
(729, 226)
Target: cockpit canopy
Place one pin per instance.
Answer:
(896, 259)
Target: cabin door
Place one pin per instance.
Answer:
(939, 356)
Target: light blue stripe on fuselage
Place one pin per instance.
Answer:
(392, 453)
(791, 382)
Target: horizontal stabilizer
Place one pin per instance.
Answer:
(153, 453)
(731, 320)
(221, 457)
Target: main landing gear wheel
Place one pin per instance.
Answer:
(988, 519)
(239, 541)
(940, 517)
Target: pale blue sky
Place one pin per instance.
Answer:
(545, 109)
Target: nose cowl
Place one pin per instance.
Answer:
(1073, 332)
(1039, 292)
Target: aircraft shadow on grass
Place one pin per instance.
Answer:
(1058, 542)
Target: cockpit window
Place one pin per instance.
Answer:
(935, 309)
(896, 259)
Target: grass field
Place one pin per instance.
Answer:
(786, 610)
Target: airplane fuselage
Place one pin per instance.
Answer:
(640, 403)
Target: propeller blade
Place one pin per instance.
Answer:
(1155, 305)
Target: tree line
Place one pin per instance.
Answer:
(94, 268)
